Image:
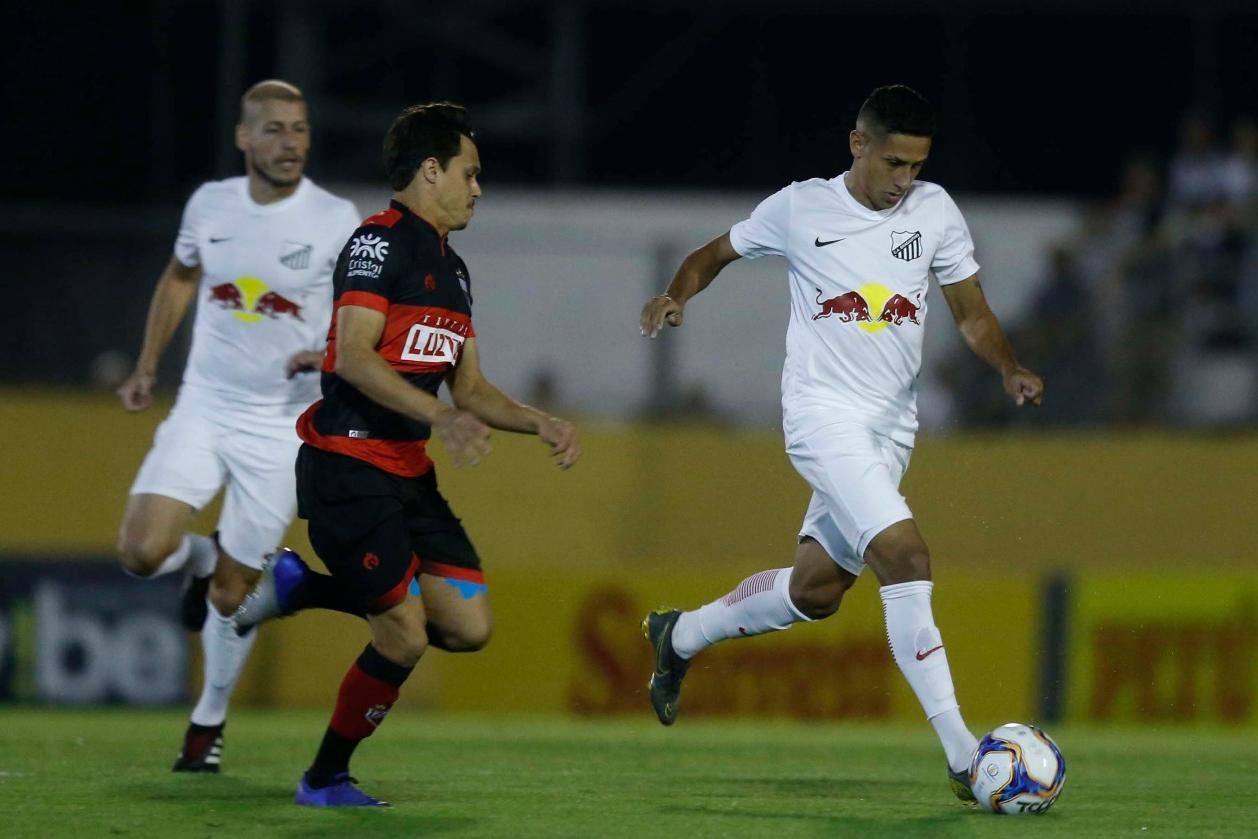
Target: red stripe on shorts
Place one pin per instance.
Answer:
(397, 594)
(454, 572)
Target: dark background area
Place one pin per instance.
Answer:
(124, 103)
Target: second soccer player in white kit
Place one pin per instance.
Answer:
(256, 253)
(860, 250)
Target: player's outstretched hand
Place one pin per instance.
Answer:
(136, 392)
(659, 310)
(1025, 387)
(306, 361)
(561, 435)
(465, 437)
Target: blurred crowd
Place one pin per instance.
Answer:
(1149, 313)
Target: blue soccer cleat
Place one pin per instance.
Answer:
(342, 793)
(272, 597)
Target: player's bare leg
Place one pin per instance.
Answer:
(368, 691)
(809, 590)
(154, 539)
(900, 559)
(459, 617)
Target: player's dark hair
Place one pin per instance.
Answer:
(897, 109)
(434, 130)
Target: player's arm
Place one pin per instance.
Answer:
(176, 289)
(697, 271)
(983, 335)
(358, 331)
(474, 393)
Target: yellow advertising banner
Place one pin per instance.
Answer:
(568, 641)
(1160, 648)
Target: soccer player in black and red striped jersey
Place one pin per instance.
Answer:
(402, 325)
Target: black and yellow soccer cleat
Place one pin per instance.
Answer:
(670, 668)
(960, 783)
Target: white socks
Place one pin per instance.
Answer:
(199, 553)
(225, 655)
(918, 650)
(761, 603)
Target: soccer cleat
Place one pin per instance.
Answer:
(272, 597)
(960, 783)
(342, 793)
(202, 749)
(192, 606)
(670, 668)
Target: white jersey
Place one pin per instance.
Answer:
(858, 281)
(265, 294)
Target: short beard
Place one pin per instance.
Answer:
(257, 170)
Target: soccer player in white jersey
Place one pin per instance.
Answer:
(256, 253)
(860, 250)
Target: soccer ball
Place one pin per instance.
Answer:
(1017, 769)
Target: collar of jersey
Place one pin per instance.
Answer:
(407, 212)
(274, 206)
(856, 207)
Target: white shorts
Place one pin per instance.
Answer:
(193, 457)
(855, 477)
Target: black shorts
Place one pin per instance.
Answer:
(375, 531)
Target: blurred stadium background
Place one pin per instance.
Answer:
(1096, 559)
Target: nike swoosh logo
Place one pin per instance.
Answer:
(922, 654)
(214, 241)
(816, 242)
(659, 654)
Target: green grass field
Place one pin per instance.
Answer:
(106, 773)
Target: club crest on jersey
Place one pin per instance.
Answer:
(369, 246)
(906, 244)
(366, 256)
(295, 255)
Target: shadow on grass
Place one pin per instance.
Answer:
(209, 805)
(952, 823)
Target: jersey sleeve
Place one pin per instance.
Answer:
(373, 263)
(954, 258)
(187, 242)
(765, 232)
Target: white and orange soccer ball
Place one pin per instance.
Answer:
(1017, 769)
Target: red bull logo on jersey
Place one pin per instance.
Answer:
(857, 307)
(847, 307)
(897, 308)
(251, 300)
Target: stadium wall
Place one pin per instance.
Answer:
(1145, 533)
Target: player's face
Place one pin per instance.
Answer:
(275, 137)
(887, 165)
(458, 187)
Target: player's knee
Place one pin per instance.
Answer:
(226, 599)
(817, 601)
(402, 642)
(143, 555)
(407, 651)
(470, 638)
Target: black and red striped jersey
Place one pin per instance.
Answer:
(397, 264)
